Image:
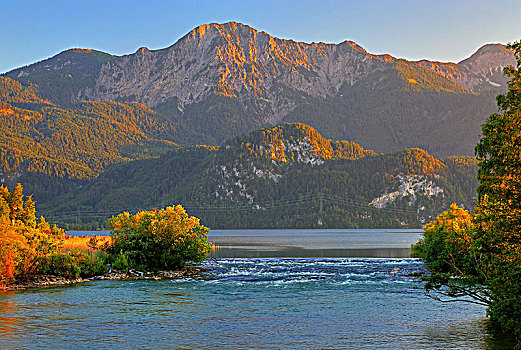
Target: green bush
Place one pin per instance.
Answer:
(73, 264)
(60, 264)
(157, 240)
(121, 262)
(93, 264)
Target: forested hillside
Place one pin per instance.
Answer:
(62, 77)
(285, 176)
(52, 149)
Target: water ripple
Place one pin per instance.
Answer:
(249, 304)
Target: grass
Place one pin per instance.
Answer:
(76, 242)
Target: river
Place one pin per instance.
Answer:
(254, 303)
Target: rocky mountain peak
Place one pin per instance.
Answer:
(232, 60)
(235, 60)
(142, 50)
(481, 71)
(488, 57)
(384, 57)
(224, 29)
(74, 58)
(487, 65)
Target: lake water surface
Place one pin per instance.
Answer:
(376, 243)
(251, 303)
(256, 243)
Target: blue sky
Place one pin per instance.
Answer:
(440, 30)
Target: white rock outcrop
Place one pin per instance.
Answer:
(410, 186)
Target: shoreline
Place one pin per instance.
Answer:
(43, 281)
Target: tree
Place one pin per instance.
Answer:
(157, 239)
(12, 243)
(479, 256)
(498, 214)
(449, 252)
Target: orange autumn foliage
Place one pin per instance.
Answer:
(24, 241)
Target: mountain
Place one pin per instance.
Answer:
(479, 72)
(62, 77)
(284, 176)
(92, 134)
(222, 80)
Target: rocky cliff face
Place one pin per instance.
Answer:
(488, 63)
(268, 154)
(233, 60)
(238, 61)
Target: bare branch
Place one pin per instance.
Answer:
(455, 300)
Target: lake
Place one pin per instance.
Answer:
(255, 243)
(255, 303)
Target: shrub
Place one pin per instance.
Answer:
(157, 239)
(60, 264)
(121, 262)
(93, 264)
(73, 264)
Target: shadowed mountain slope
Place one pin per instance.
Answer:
(285, 176)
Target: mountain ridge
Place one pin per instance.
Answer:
(241, 45)
(223, 80)
(245, 59)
